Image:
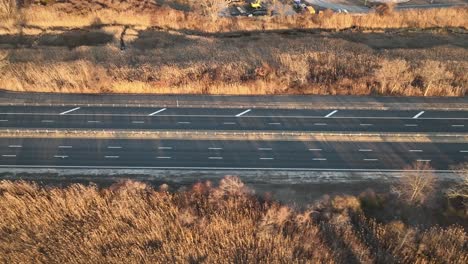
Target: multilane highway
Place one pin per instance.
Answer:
(431, 117)
(165, 118)
(220, 154)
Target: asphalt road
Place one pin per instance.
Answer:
(131, 118)
(217, 154)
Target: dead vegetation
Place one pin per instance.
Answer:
(103, 46)
(134, 223)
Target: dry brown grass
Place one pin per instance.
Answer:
(75, 46)
(131, 222)
(171, 62)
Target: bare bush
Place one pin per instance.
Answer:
(417, 185)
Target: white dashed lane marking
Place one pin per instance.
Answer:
(163, 157)
(183, 123)
(243, 113)
(331, 113)
(458, 125)
(319, 159)
(47, 121)
(111, 157)
(157, 112)
(411, 125)
(164, 147)
(274, 123)
(365, 150)
(138, 122)
(366, 124)
(218, 158)
(264, 148)
(320, 124)
(93, 121)
(418, 114)
(315, 149)
(215, 148)
(422, 160)
(69, 111)
(415, 150)
(62, 147)
(229, 123)
(15, 146)
(370, 159)
(61, 156)
(114, 147)
(9, 156)
(266, 158)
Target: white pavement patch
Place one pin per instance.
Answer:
(157, 112)
(331, 113)
(69, 111)
(243, 113)
(419, 114)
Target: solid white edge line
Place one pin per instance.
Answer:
(157, 112)
(212, 168)
(69, 111)
(243, 113)
(331, 113)
(418, 114)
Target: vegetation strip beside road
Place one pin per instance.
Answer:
(236, 135)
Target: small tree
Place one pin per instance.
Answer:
(417, 184)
